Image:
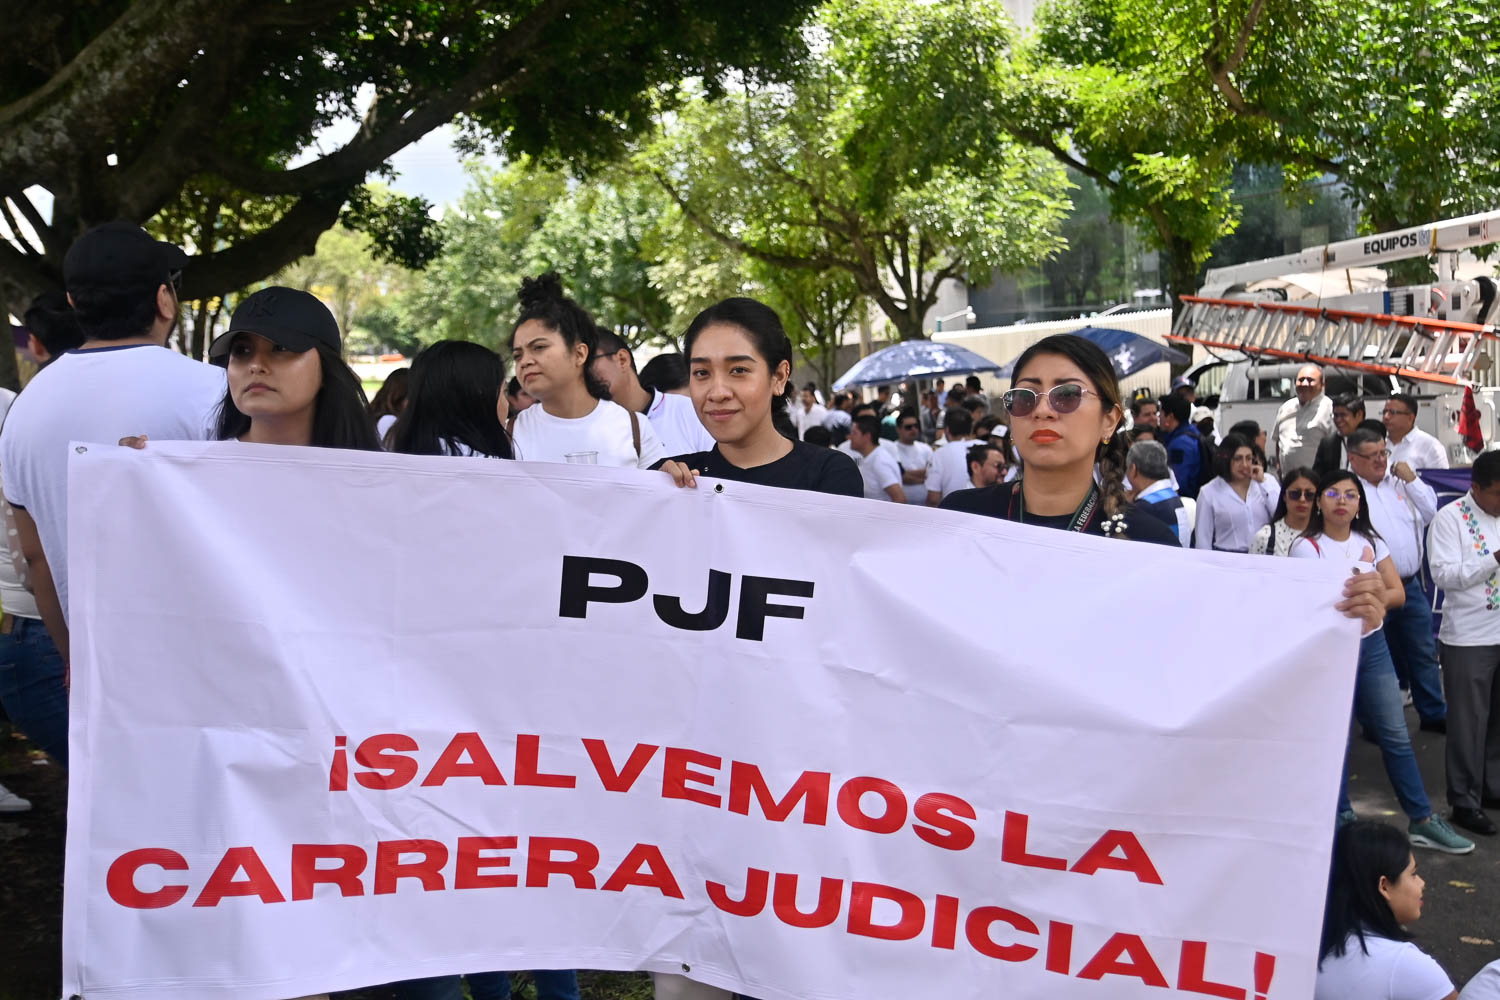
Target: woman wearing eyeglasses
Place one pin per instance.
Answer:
(1339, 529)
(1299, 491)
(1064, 406)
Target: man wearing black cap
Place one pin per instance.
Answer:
(121, 381)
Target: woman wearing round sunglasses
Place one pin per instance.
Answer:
(1299, 491)
(1340, 529)
(1064, 407)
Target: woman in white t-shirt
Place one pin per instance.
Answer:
(1339, 529)
(1366, 952)
(574, 421)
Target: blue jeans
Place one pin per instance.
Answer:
(550, 985)
(1377, 706)
(1408, 632)
(31, 687)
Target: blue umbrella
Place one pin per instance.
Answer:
(1128, 352)
(914, 359)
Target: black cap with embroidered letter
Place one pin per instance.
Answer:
(287, 317)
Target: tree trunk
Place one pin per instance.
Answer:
(1182, 273)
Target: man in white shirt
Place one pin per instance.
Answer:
(877, 466)
(1401, 508)
(673, 417)
(913, 455)
(810, 412)
(1302, 423)
(1464, 554)
(123, 381)
(949, 471)
(1409, 443)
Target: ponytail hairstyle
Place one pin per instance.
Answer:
(761, 324)
(1094, 363)
(455, 386)
(1361, 522)
(542, 299)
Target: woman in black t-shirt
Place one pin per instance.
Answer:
(739, 362)
(1064, 406)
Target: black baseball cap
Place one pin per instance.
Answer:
(120, 254)
(287, 317)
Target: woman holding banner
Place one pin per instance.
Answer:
(739, 362)
(1064, 406)
(1340, 530)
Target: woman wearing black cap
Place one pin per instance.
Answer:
(288, 383)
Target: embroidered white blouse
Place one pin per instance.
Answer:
(1461, 546)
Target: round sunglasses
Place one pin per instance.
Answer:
(1064, 398)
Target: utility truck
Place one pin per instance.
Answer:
(1257, 323)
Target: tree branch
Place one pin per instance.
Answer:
(813, 263)
(388, 129)
(44, 232)
(148, 45)
(292, 236)
(17, 236)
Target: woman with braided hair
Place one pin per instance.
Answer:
(1064, 406)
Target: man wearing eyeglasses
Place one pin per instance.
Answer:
(1409, 443)
(914, 457)
(1333, 453)
(1303, 423)
(1401, 508)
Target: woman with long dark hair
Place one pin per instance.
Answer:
(1235, 504)
(1299, 493)
(288, 382)
(1064, 406)
(552, 345)
(1374, 892)
(390, 401)
(456, 403)
(739, 363)
(1339, 529)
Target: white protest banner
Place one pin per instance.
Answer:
(342, 719)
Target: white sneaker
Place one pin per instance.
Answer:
(1406, 697)
(10, 802)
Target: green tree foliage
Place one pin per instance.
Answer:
(117, 107)
(599, 233)
(840, 171)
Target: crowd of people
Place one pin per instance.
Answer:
(1055, 452)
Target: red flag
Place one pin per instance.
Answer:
(1468, 423)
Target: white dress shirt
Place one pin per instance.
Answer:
(1401, 513)
(1229, 523)
(805, 418)
(1300, 429)
(1420, 450)
(1461, 547)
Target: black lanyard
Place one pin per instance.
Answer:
(1083, 517)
